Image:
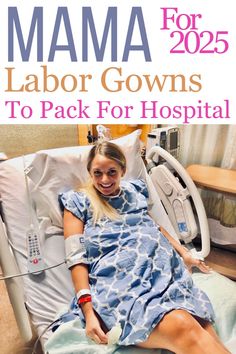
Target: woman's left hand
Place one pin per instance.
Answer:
(190, 262)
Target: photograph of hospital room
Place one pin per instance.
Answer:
(190, 169)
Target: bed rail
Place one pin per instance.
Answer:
(14, 286)
(200, 210)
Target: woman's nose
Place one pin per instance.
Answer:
(105, 178)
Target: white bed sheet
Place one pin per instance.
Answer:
(70, 337)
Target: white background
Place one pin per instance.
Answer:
(217, 71)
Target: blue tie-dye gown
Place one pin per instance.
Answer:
(135, 275)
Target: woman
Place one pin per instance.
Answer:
(127, 270)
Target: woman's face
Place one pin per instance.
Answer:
(106, 175)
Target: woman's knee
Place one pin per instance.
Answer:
(183, 325)
(187, 331)
(177, 329)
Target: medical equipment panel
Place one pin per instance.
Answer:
(167, 138)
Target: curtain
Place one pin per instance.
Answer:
(212, 145)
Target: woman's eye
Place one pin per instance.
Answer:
(112, 172)
(97, 173)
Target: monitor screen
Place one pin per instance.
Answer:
(173, 140)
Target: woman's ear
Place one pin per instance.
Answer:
(123, 172)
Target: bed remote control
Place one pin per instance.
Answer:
(35, 260)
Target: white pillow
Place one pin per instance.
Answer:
(58, 170)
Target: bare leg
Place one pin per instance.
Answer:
(210, 329)
(181, 333)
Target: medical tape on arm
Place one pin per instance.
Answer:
(75, 250)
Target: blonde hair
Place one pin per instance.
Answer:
(99, 204)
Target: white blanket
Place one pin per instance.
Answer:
(70, 338)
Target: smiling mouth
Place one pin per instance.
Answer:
(106, 186)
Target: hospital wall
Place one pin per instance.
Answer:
(16, 140)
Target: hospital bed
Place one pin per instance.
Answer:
(29, 189)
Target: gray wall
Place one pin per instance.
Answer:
(16, 139)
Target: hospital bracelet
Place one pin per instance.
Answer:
(82, 292)
(85, 299)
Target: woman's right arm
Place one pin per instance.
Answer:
(80, 278)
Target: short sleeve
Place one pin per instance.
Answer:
(141, 187)
(76, 203)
